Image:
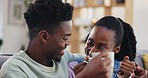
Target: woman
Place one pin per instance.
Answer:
(124, 65)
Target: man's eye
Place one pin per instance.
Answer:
(66, 38)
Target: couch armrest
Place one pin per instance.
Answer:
(3, 58)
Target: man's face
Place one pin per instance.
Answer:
(59, 41)
(100, 40)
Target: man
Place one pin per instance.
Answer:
(49, 24)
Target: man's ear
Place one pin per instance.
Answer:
(117, 49)
(43, 36)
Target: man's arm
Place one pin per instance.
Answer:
(74, 57)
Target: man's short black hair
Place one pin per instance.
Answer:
(47, 14)
(112, 23)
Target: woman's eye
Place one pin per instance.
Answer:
(90, 43)
(102, 48)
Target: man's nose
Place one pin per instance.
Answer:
(67, 43)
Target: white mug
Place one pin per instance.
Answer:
(111, 56)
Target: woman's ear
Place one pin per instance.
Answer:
(43, 36)
(117, 49)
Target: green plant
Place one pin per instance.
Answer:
(65, 0)
(1, 42)
(27, 2)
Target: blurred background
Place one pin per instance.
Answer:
(14, 32)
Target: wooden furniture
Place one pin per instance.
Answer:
(87, 22)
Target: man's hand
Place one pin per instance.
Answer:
(96, 68)
(79, 67)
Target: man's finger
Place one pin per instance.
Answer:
(79, 65)
(87, 58)
(79, 69)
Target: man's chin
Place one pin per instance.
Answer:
(57, 59)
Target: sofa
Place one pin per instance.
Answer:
(141, 58)
(3, 58)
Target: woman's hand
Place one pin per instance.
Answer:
(127, 68)
(140, 72)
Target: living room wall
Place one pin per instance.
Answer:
(15, 36)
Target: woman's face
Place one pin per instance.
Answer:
(100, 39)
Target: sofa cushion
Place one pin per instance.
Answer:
(3, 58)
(139, 57)
(145, 60)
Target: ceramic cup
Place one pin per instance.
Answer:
(111, 56)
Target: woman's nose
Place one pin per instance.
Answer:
(93, 49)
(90, 50)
